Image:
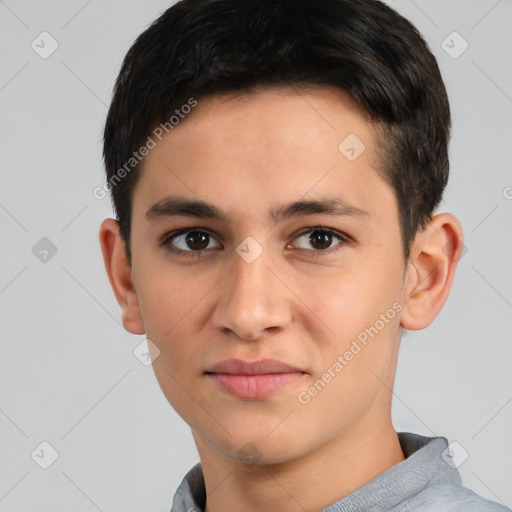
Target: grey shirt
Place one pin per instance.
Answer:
(424, 482)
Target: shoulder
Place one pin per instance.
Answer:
(471, 502)
(451, 499)
(432, 483)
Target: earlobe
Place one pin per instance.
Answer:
(120, 275)
(431, 269)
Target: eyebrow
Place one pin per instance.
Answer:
(175, 206)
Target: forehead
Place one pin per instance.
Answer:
(246, 151)
(275, 119)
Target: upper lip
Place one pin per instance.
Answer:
(262, 366)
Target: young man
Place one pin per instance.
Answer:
(275, 167)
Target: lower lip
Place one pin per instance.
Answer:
(254, 386)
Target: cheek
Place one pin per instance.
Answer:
(351, 300)
(170, 305)
(168, 294)
(361, 311)
(171, 308)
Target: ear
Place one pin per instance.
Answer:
(119, 274)
(430, 270)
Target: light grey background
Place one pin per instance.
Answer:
(68, 375)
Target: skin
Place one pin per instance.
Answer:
(296, 302)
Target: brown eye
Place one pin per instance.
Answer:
(321, 240)
(197, 240)
(190, 240)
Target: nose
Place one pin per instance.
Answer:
(253, 301)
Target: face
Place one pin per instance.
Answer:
(291, 251)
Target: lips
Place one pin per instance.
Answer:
(253, 379)
(263, 366)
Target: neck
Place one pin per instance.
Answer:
(308, 484)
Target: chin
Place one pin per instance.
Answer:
(262, 449)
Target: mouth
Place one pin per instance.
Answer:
(253, 379)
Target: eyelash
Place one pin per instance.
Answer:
(344, 239)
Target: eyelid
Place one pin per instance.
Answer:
(167, 237)
(343, 237)
(326, 229)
